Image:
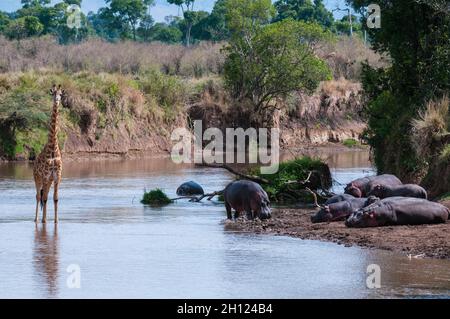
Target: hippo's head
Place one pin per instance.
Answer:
(361, 218)
(378, 190)
(323, 215)
(264, 213)
(353, 190)
(373, 215)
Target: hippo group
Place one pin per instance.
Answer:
(381, 200)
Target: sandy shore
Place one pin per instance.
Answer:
(419, 241)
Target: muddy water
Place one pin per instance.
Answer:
(124, 249)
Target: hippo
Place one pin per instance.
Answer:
(246, 196)
(338, 198)
(399, 211)
(405, 190)
(341, 210)
(190, 188)
(362, 186)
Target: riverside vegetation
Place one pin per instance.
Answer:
(135, 92)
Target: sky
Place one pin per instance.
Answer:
(159, 11)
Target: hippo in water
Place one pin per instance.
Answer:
(405, 190)
(399, 211)
(338, 198)
(190, 188)
(361, 187)
(341, 210)
(246, 196)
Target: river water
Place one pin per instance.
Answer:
(125, 250)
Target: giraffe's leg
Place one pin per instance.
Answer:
(38, 198)
(55, 198)
(46, 190)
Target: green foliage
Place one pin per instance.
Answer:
(297, 169)
(165, 33)
(24, 27)
(129, 12)
(304, 10)
(190, 16)
(271, 61)
(445, 153)
(350, 142)
(155, 197)
(213, 27)
(104, 100)
(244, 18)
(4, 21)
(419, 49)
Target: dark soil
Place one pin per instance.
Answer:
(424, 240)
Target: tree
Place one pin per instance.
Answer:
(129, 12)
(304, 10)
(266, 62)
(199, 26)
(191, 17)
(342, 26)
(21, 28)
(145, 27)
(4, 21)
(165, 33)
(60, 23)
(416, 36)
(105, 24)
(212, 27)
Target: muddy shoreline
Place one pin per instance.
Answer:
(424, 241)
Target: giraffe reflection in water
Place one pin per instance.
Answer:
(46, 257)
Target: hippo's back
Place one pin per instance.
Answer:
(242, 189)
(190, 188)
(416, 211)
(339, 198)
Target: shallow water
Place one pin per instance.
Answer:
(126, 250)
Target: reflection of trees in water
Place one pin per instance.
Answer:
(45, 259)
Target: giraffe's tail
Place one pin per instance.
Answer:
(42, 199)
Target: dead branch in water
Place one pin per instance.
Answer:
(255, 179)
(199, 198)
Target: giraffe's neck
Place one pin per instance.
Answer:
(53, 133)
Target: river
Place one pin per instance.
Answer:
(123, 249)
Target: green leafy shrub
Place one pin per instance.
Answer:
(297, 169)
(155, 197)
(350, 142)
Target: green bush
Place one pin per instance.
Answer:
(297, 169)
(350, 142)
(155, 197)
(445, 154)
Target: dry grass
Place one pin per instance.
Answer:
(340, 87)
(345, 56)
(431, 123)
(101, 56)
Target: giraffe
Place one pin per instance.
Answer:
(48, 164)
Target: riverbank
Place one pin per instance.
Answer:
(432, 241)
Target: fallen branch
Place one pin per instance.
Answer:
(199, 198)
(255, 179)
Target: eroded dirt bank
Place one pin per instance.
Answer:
(418, 241)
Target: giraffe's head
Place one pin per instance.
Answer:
(57, 93)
